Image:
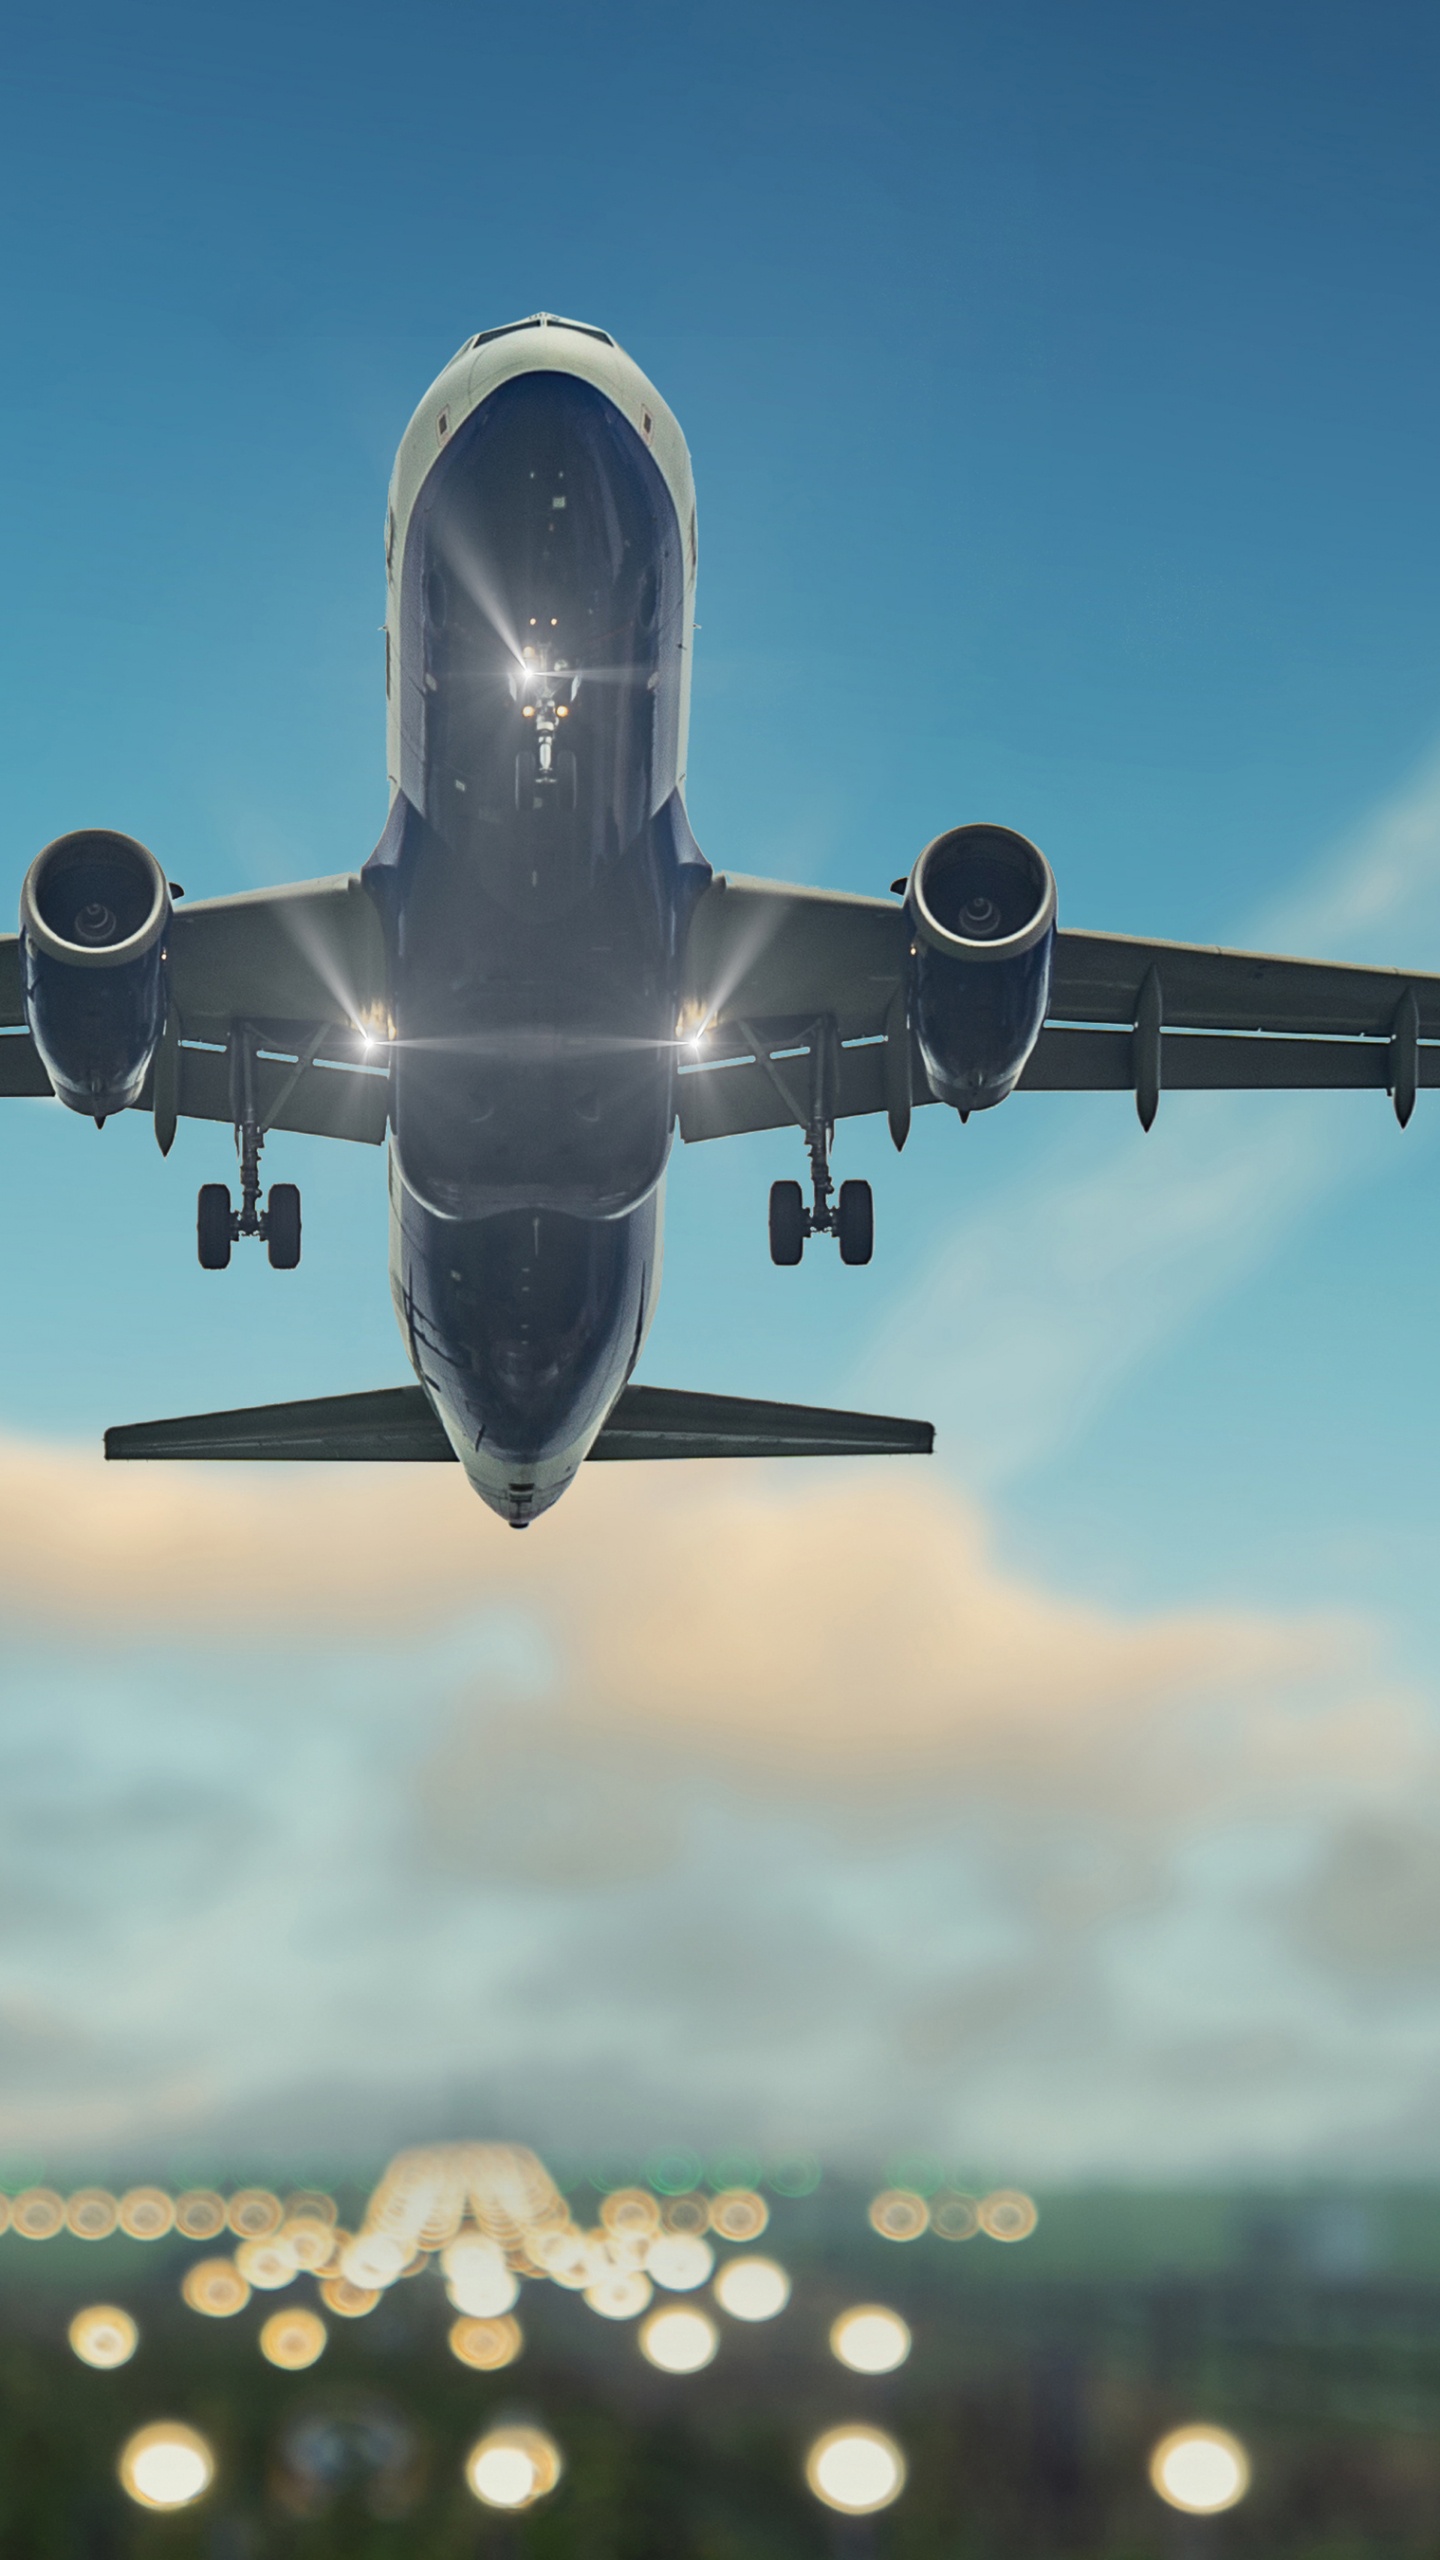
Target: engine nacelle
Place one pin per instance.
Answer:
(980, 905)
(94, 914)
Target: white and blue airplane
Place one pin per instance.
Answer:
(536, 977)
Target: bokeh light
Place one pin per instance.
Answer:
(856, 2470)
(486, 2345)
(752, 2288)
(899, 2213)
(631, 2213)
(679, 2341)
(621, 2295)
(512, 2467)
(953, 2215)
(38, 2214)
(216, 2287)
(478, 2278)
(200, 2214)
(348, 2301)
(253, 2213)
(1201, 2470)
(738, 2213)
(91, 2213)
(103, 2335)
(311, 2242)
(1008, 2214)
(146, 2213)
(267, 2264)
(167, 2465)
(679, 2260)
(870, 2339)
(293, 2339)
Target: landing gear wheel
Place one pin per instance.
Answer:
(855, 1221)
(282, 1226)
(214, 1226)
(787, 1222)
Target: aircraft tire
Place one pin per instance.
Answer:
(212, 1226)
(787, 1222)
(855, 1223)
(282, 1226)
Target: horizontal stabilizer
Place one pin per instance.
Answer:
(399, 1423)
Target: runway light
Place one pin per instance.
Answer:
(146, 2213)
(103, 2336)
(512, 2467)
(216, 2287)
(752, 2288)
(870, 2339)
(1008, 2214)
(737, 2213)
(91, 2213)
(1201, 2470)
(900, 2213)
(486, 2345)
(200, 2213)
(680, 2260)
(167, 2465)
(293, 2339)
(856, 2470)
(679, 2341)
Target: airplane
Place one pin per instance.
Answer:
(537, 977)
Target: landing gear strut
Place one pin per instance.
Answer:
(848, 1216)
(219, 1225)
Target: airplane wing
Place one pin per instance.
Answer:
(303, 967)
(781, 979)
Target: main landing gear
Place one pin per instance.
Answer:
(218, 1224)
(850, 1215)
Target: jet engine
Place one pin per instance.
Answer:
(980, 904)
(94, 913)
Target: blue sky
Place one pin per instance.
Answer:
(1062, 388)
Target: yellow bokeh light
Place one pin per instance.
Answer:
(687, 2213)
(870, 2339)
(267, 2264)
(216, 2287)
(856, 2470)
(310, 2204)
(512, 2467)
(103, 2336)
(200, 2213)
(631, 2213)
(38, 2214)
(293, 2339)
(1201, 2470)
(752, 2288)
(253, 2213)
(899, 2213)
(91, 2213)
(311, 2243)
(487, 2345)
(167, 2465)
(679, 2341)
(374, 2258)
(348, 2301)
(621, 2295)
(738, 2213)
(954, 2216)
(146, 2213)
(1008, 2214)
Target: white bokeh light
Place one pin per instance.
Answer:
(752, 2288)
(167, 2465)
(679, 2341)
(512, 2467)
(870, 2339)
(856, 2470)
(1201, 2470)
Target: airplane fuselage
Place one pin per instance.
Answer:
(536, 879)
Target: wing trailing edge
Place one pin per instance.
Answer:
(391, 1425)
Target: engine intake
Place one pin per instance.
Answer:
(94, 913)
(981, 909)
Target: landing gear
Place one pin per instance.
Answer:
(218, 1225)
(850, 1216)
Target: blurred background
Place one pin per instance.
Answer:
(1061, 1816)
